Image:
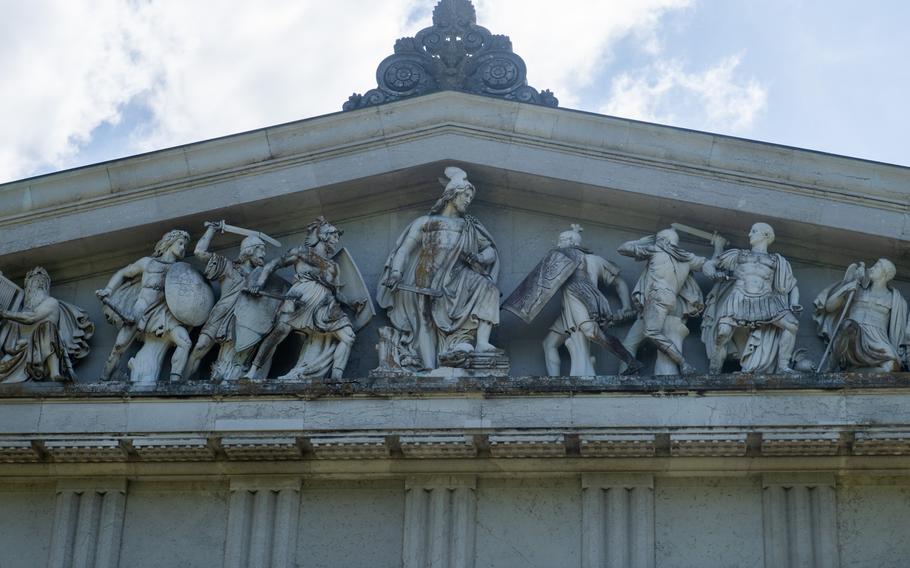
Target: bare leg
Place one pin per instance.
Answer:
(182, 345)
(484, 328)
(723, 333)
(634, 337)
(267, 348)
(345, 337)
(593, 332)
(551, 344)
(788, 325)
(125, 337)
(655, 318)
(203, 346)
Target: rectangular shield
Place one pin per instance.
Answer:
(354, 288)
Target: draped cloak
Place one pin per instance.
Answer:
(861, 344)
(28, 346)
(467, 296)
(756, 340)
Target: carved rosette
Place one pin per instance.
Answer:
(453, 54)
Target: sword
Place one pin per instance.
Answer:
(694, 232)
(419, 290)
(247, 233)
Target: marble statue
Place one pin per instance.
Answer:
(665, 296)
(751, 311)
(864, 320)
(157, 300)
(585, 309)
(439, 289)
(40, 336)
(325, 282)
(232, 323)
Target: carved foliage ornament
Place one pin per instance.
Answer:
(453, 54)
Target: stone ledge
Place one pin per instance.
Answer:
(489, 386)
(622, 444)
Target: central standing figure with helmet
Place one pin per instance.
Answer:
(439, 284)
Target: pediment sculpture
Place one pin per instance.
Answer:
(439, 289)
(41, 337)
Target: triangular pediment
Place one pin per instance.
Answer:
(346, 165)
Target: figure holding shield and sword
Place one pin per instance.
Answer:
(228, 321)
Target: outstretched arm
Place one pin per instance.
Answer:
(636, 249)
(129, 271)
(202, 247)
(44, 311)
(285, 260)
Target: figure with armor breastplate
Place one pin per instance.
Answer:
(439, 288)
(665, 296)
(313, 306)
(585, 309)
(872, 334)
(157, 300)
(751, 312)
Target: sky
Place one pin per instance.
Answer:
(84, 81)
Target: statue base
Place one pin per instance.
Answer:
(395, 361)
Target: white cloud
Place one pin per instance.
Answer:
(206, 68)
(714, 99)
(565, 44)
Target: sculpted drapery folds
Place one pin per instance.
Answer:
(439, 283)
(140, 299)
(226, 323)
(753, 307)
(313, 306)
(585, 309)
(665, 296)
(873, 329)
(40, 336)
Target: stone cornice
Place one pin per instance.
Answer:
(398, 135)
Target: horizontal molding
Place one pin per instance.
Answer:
(533, 444)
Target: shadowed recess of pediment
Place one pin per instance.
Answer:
(454, 54)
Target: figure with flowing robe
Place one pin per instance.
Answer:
(751, 311)
(220, 328)
(439, 283)
(313, 308)
(44, 336)
(665, 296)
(873, 333)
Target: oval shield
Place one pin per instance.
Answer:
(188, 295)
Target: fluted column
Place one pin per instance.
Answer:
(440, 516)
(262, 523)
(88, 524)
(617, 521)
(800, 521)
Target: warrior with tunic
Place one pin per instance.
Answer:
(135, 300)
(665, 296)
(873, 330)
(439, 283)
(41, 336)
(753, 307)
(312, 308)
(220, 328)
(585, 309)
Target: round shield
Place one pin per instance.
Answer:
(188, 295)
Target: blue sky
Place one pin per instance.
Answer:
(85, 81)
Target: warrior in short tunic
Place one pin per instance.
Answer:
(758, 296)
(582, 300)
(220, 324)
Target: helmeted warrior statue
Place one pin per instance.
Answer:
(325, 281)
(40, 336)
(665, 296)
(439, 288)
(751, 311)
(230, 320)
(156, 300)
(864, 319)
(585, 309)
